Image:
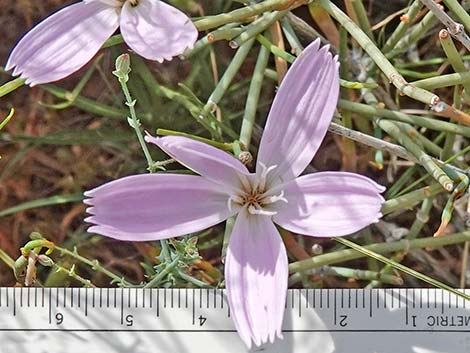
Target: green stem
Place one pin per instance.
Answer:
(402, 26)
(154, 282)
(411, 199)
(350, 273)
(95, 265)
(253, 98)
(379, 248)
(403, 268)
(221, 145)
(135, 123)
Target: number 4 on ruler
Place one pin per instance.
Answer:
(202, 320)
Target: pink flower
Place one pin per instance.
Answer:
(68, 39)
(158, 206)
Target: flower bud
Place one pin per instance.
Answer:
(123, 67)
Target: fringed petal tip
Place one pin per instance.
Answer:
(301, 113)
(256, 281)
(63, 43)
(330, 204)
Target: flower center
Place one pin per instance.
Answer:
(134, 3)
(255, 196)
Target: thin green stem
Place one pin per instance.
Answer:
(95, 265)
(340, 256)
(403, 268)
(253, 98)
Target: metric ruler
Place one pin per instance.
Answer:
(137, 320)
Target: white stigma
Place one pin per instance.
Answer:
(255, 196)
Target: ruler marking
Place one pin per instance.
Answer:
(179, 298)
(50, 306)
(128, 297)
(7, 297)
(14, 302)
(435, 298)
(442, 302)
(334, 309)
(349, 300)
(406, 306)
(151, 298)
(194, 308)
(93, 297)
(1, 295)
(115, 297)
(363, 299)
(122, 306)
(158, 302)
(86, 303)
(164, 297)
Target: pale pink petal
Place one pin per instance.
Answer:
(156, 30)
(155, 206)
(63, 43)
(204, 159)
(256, 278)
(301, 113)
(329, 204)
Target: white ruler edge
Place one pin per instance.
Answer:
(138, 320)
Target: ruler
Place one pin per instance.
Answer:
(136, 320)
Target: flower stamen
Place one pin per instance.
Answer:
(275, 198)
